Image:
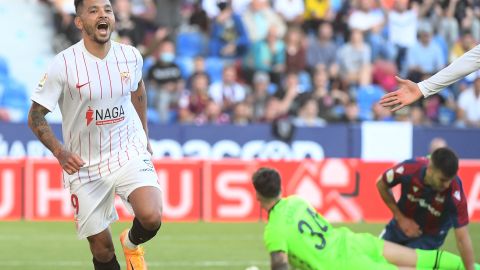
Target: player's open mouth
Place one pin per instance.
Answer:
(102, 27)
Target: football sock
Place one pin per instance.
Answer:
(129, 243)
(438, 259)
(138, 234)
(111, 265)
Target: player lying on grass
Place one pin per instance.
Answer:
(431, 202)
(297, 235)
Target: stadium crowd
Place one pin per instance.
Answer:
(312, 61)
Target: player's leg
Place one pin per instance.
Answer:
(421, 259)
(147, 205)
(101, 246)
(139, 189)
(93, 203)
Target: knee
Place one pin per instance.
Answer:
(152, 220)
(102, 251)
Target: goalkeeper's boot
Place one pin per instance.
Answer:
(133, 257)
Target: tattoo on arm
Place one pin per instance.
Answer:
(279, 260)
(38, 124)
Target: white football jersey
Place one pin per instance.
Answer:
(99, 121)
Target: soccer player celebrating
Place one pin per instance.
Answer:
(409, 92)
(431, 202)
(97, 83)
(296, 234)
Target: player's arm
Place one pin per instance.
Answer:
(279, 260)
(139, 101)
(70, 162)
(407, 225)
(409, 92)
(464, 245)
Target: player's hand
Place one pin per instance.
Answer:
(69, 161)
(409, 227)
(407, 93)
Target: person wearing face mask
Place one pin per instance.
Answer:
(228, 37)
(431, 202)
(163, 79)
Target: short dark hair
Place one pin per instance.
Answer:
(445, 160)
(78, 3)
(267, 182)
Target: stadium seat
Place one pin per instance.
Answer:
(185, 64)
(214, 67)
(190, 44)
(366, 97)
(15, 100)
(3, 67)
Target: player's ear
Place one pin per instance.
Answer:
(78, 22)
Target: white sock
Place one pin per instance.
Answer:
(129, 243)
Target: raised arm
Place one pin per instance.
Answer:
(70, 162)
(279, 260)
(409, 92)
(464, 245)
(139, 101)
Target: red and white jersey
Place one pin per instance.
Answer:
(100, 122)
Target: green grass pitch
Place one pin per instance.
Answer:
(216, 246)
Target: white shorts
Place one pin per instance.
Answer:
(94, 202)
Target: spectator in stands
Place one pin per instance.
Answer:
(435, 143)
(228, 91)
(266, 55)
(291, 11)
(163, 78)
(168, 14)
(129, 26)
(228, 38)
(354, 58)
(463, 45)
(316, 12)
(259, 18)
(67, 32)
(448, 27)
(381, 113)
(468, 113)
(295, 50)
(259, 96)
(321, 93)
(369, 18)
(212, 10)
(144, 9)
(213, 114)
(193, 102)
(323, 50)
(307, 115)
(352, 113)
(417, 116)
(402, 29)
(242, 114)
(425, 56)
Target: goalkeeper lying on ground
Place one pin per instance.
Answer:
(297, 235)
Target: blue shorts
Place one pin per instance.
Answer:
(393, 233)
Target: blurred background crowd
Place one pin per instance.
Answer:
(313, 62)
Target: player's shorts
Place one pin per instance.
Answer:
(394, 234)
(361, 251)
(94, 202)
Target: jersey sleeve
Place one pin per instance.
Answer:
(459, 205)
(397, 174)
(51, 85)
(274, 239)
(466, 64)
(138, 68)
